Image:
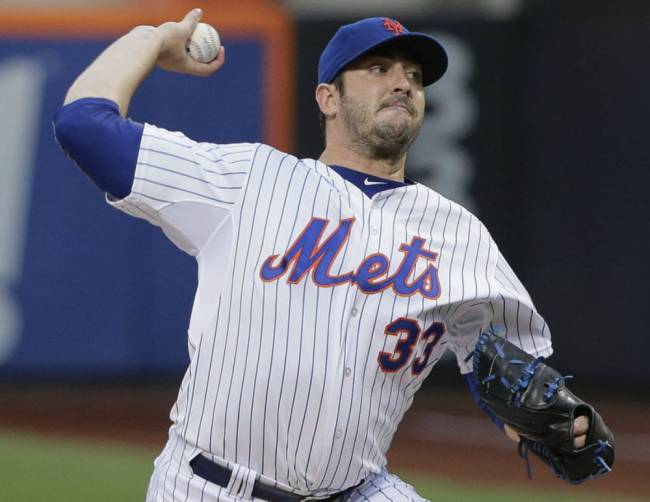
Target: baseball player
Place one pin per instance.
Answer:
(328, 288)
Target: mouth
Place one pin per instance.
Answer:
(399, 106)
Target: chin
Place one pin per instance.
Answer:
(395, 115)
(394, 130)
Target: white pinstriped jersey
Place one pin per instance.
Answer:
(319, 310)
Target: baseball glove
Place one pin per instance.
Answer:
(532, 398)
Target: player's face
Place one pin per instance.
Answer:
(382, 105)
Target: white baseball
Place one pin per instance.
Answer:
(204, 43)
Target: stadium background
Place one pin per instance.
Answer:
(539, 128)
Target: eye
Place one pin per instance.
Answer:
(377, 69)
(415, 75)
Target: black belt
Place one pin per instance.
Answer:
(219, 475)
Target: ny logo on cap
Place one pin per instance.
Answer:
(393, 26)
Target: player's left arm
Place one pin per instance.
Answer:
(580, 424)
(541, 413)
(509, 311)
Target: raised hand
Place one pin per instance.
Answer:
(173, 55)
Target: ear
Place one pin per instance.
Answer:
(327, 97)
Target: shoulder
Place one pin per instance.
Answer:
(446, 206)
(153, 133)
(268, 158)
(171, 146)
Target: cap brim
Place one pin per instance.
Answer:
(427, 51)
(424, 48)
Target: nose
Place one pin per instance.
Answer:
(401, 82)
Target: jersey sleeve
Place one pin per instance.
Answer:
(185, 187)
(506, 309)
(103, 144)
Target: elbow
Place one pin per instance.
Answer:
(74, 125)
(79, 125)
(66, 129)
(101, 143)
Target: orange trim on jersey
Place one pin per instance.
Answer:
(336, 254)
(294, 260)
(291, 263)
(257, 19)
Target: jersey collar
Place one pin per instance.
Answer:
(367, 183)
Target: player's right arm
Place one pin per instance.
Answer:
(185, 187)
(92, 128)
(118, 71)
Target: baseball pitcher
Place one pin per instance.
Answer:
(328, 287)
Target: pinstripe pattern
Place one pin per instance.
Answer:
(285, 382)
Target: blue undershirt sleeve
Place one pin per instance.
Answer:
(473, 387)
(102, 143)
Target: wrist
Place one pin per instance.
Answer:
(149, 34)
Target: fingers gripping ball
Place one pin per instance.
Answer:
(532, 398)
(204, 44)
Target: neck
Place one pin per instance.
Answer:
(346, 157)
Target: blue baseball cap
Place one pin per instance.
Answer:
(354, 40)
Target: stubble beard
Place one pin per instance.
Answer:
(378, 140)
